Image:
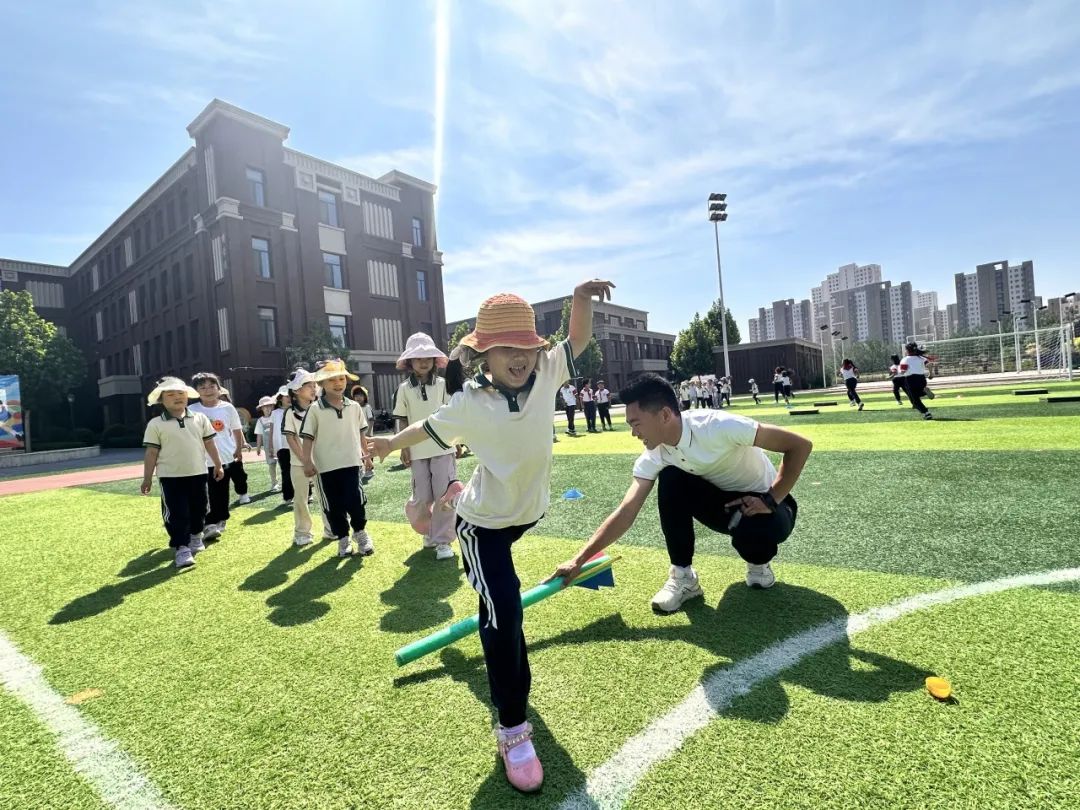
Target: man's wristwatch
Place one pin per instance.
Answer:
(768, 499)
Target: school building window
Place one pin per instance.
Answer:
(417, 232)
(223, 329)
(189, 274)
(261, 249)
(193, 336)
(267, 330)
(168, 349)
(181, 343)
(257, 186)
(421, 285)
(177, 282)
(338, 329)
(334, 276)
(328, 208)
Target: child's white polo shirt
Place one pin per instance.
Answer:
(335, 433)
(716, 446)
(224, 419)
(294, 420)
(510, 434)
(180, 443)
(414, 403)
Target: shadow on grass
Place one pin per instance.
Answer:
(561, 775)
(264, 516)
(147, 561)
(419, 597)
(262, 496)
(110, 596)
(276, 572)
(744, 623)
(301, 602)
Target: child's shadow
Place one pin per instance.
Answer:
(141, 573)
(301, 602)
(276, 572)
(419, 597)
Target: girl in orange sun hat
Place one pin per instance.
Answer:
(504, 414)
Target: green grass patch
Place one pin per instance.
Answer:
(265, 677)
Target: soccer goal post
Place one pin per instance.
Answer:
(1044, 352)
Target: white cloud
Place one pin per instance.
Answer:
(607, 126)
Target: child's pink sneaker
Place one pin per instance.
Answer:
(523, 768)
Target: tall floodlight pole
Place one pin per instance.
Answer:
(822, 329)
(718, 214)
(1001, 345)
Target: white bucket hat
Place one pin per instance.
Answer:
(418, 346)
(170, 384)
(299, 378)
(264, 401)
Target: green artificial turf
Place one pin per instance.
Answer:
(265, 677)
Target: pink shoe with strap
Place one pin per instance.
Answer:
(523, 768)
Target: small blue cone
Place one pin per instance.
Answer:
(573, 495)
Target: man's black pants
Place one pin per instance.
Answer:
(684, 498)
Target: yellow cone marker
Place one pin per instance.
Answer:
(939, 688)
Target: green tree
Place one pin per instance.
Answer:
(318, 344)
(591, 360)
(693, 351)
(47, 363)
(713, 318)
(461, 331)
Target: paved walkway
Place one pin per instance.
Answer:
(82, 477)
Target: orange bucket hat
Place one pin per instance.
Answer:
(506, 320)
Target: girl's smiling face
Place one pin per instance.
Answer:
(511, 368)
(422, 366)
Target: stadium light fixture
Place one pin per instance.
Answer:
(717, 208)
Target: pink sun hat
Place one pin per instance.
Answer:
(418, 346)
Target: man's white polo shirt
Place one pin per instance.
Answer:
(716, 446)
(510, 434)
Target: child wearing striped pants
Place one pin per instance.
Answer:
(504, 414)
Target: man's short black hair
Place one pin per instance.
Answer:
(651, 392)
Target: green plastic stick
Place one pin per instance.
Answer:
(465, 627)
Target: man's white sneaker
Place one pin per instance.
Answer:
(344, 547)
(444, 551)
(212, 531)
(195, 543)
(184, 558)
(363, 543)
(244, 499)
(301, 540)
(760, 576)
(682, 585)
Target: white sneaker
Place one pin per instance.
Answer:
(212, 531)
(195, 543)
(244, 499)
(344, 547)
(682, 585)
(363, 543)
(760, 576)
(276, 488)
(444, 551)
(184, 558)
(302, 540)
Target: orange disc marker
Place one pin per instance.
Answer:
(939, 688)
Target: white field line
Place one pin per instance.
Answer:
(611, 784)
(100, 761)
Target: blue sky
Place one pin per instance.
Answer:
(581, 138)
